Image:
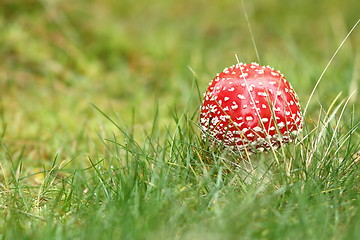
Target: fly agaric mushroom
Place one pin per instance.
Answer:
(249, 107)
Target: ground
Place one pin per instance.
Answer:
(99, 120)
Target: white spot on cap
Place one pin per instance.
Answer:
(215, 121)
(226, 98)
(257, 129)
(238, 124)
(262, 94)
(244, 75)
(281, 125)
(241, 96)
(203, 120)
(224, 117)
(212, 108)
(249, 118)
(231, 89)
(260, 71)
(264, 120)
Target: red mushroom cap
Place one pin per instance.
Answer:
(250, 107)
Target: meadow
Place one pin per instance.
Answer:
(99, 108)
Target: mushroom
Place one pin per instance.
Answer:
(249, 107)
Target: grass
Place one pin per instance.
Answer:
(99, 110)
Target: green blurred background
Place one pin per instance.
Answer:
(130, 57)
